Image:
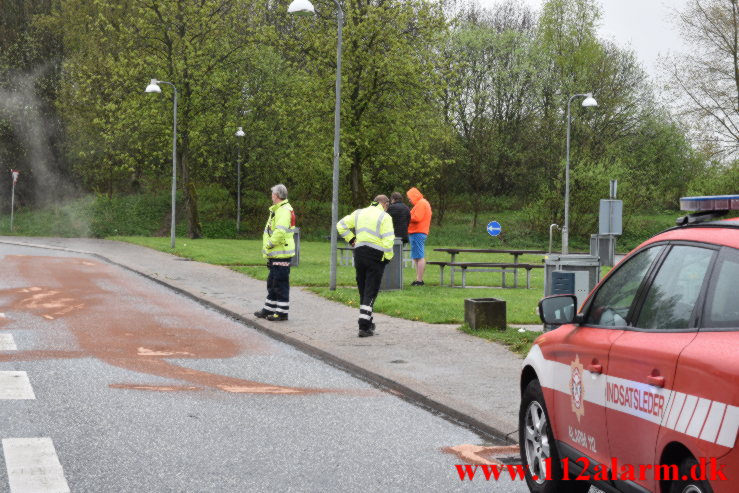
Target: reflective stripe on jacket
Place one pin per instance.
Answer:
(277, 240)
(372, 227)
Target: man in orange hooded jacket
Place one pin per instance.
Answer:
(418, 231)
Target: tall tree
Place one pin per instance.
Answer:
(119, 46)
(388, 110)
(489, 98)
(30, 130)
(706, 79)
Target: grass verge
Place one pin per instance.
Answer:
(431, 303)
(518, 342)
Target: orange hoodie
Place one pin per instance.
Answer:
(420, 214)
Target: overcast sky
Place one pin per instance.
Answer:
(645, 25)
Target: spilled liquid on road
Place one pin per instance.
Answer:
(100, 310)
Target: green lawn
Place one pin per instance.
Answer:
(430, 303)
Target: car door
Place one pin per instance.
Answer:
(642, 360)
(580, 412)
(707, 378)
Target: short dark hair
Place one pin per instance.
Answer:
(396, 197)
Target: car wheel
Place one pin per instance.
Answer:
(538, 450)
(685, 483)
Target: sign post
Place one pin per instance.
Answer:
(494, 228)
(15, 174)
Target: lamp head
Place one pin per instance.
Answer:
(239, 133)
(301, 7)
(153, 86)
(589, 100)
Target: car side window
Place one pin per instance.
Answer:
(671, 298)
(723, 306)
(613, 300)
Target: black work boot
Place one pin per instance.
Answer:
(262, 313)
(367, 331)
(276, 317)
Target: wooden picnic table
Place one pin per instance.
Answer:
(515, 252)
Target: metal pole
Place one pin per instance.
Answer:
(566, 227)
(12, 206)
(551, 227)
(238, 188)
(337, 128)
(589, 101)
(174, 168)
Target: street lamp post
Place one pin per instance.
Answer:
(239, 133)
(14, 173)
(154, 87)
(304, 7)
(589, 101)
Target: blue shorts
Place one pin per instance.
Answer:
(418, 240)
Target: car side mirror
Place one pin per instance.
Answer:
(558, 310)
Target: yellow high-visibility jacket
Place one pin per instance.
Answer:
(277, 240)
(372, 227)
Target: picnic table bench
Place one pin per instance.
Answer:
(502, 267)
(453, 252)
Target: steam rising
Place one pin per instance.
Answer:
(21, 108)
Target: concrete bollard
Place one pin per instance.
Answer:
(485, 313)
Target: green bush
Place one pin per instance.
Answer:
(69, 220)
(147, 214)
(138, 215)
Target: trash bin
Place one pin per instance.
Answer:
(485, 313)
(295, 261)
(586, 270)
(392, 278)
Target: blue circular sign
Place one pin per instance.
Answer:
(494, 228)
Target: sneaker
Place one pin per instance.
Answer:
(276, 317)
(262, 313)
(417, 283)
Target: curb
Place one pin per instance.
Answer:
(403, 391)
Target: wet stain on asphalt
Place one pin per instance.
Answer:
(478, 454)
(108, 324)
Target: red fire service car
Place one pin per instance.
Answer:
(639, 390)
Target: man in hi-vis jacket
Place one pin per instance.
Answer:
(370, 232)
(278, 247)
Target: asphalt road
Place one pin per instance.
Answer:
(112, 383)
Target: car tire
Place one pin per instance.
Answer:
(685, 483)
(536, 444)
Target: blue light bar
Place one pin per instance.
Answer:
(710, 203)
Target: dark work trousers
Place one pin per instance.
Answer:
(278, 286)
(369, 266)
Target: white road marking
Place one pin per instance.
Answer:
(33, 466)
(15, 385)
(7, 343)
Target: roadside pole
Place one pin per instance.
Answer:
(15, 174)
